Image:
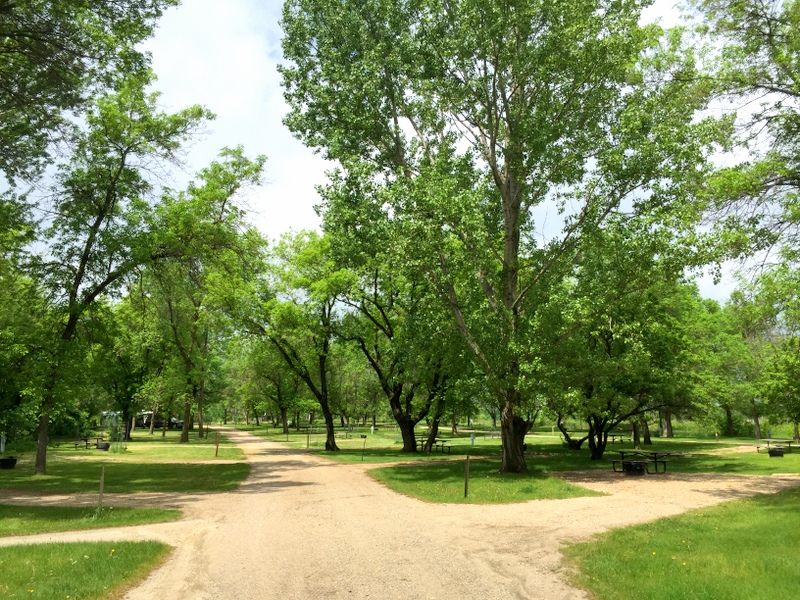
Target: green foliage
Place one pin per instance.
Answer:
(483, 122)
(56, 55)
(754, 60)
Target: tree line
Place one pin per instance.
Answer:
(522, 195)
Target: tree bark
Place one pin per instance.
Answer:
(598, 436)
(187, 415)
(512, 436)
(571, 443)
(41, 448)
(668, 425)
(729, 429)
(284, 420)
(646, 433)
(756, 423)
(796, 432)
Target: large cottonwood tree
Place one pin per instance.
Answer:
(480, 117)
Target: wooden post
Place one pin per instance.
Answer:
(216, 443)
(364, 448)
(102, 484)
(466, 478)
(308, 437)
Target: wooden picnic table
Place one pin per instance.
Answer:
(653, 457)
(440, 443)
(785, 445)
(86, 440)
(618, 437)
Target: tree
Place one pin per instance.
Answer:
(208, 249)
(295, 310)
(755, 50)
(101, 229)
(56, 55)
(465, 120)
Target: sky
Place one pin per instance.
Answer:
(224, 56)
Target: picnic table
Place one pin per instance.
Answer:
(651, 457)
(785, 445)
(87, 440)
(440, 443)
(618, 437)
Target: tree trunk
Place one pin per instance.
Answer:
(454, 427)
(187, 415)
(41, 448)
(571, 443)
(637, 440)
(756, 423)
(433, 426)
(406, 426)
(256, 414)
(330, 436)
(730, 431)
(225, 416)
(598, 436)
(668, 425)
(201, 397)
(493, 415)
(646, 433)
(153, 418)
(285, 420)
(796, 432)
(512, 437)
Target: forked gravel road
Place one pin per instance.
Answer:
(302, 527)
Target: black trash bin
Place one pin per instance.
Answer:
(635, 468)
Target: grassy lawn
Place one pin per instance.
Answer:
(78, 570)
(27, 520)
(444, 482)
(739, 550)
(145, 447)
(68, 476)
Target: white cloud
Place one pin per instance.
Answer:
(224, 55)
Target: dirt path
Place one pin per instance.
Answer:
(304, 527)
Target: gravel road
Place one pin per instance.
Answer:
(303, 527)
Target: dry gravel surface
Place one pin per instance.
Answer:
(303, 527)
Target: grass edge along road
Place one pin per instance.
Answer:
(30, 520)
(78, 570)
(72, 476)
(738, 550)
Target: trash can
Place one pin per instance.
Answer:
(635, 468)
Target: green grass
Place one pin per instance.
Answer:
(78, 570)
(444, 482)
(28, 520)
(68, 476)
(739, 550)
(145, 447)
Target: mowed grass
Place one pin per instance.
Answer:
(68, 476)
(28, 520)
(76, 570)
(145, 447)
(444, 482)
(739, 550)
